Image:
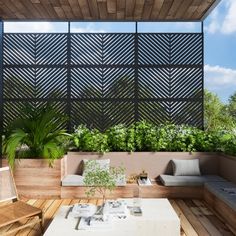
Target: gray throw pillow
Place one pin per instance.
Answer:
(186, 167)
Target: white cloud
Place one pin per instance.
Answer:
(223, 18)
(214, 24)
(89, 28)
(229, 23)
(218, 77)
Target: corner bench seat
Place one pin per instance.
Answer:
(225, 191)
(177, 181)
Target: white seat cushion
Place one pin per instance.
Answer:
(171, 180)
(73, 180)
(78, 180)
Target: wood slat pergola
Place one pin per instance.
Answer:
(137, 10)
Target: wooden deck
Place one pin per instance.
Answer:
(196, 217)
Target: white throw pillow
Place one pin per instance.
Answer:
(186, 167)
(104, 164)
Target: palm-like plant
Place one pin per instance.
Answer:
(38, 135)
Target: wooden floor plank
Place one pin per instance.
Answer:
(185, 224)
(211, 229)
(195, 216)
(199, 228)
(36, 227)
(48, 216)
(219, 224)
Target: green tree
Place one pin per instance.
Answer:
(232, 106)
(216, 114)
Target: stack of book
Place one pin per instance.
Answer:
(95, 222)
(84, 210)
(116, 209)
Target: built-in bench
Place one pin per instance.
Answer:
(155, 164)
(184, 181)
(221, 197)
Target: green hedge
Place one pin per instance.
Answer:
(144, 136)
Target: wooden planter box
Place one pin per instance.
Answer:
(35, 179)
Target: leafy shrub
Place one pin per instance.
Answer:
(144, 136)
(117, 137)
(228, 143)
(90, 140)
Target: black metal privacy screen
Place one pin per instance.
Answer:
(102, 79)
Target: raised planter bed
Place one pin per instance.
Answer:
(35, 179)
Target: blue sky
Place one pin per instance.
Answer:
(220, 41)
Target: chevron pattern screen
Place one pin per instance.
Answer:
(102, 79)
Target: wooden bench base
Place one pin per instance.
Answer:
(157, 190)
(221, 208)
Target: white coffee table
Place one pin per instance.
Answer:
(158, 218)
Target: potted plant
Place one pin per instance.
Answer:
(37, 140)
(38, 135)
(99, 179)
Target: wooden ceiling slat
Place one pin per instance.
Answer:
(202, 9)
(67, 9)
(60, 12)
(10, 6)
(120, 9)
(183, 8)
(85, 9)
(112, 16)
(129, 9)
(186, 10)
(156, 9)
(102, 7)
(40, 8)
(21, 9)
(111, 6)
(30, 7)
(7, 9)
(138, 10)
(68, 12)
(165, 8)
(147, 9)
(48, 8)
(173, 10)
(192, 8)
(55, 3)
(93, 6)
(188, 14)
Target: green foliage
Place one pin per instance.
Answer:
(100, 180)
(120, 138)
(232, 106)
(144, 136)
(90, 140)
(228, 142)
(37, 135)
(217, 116)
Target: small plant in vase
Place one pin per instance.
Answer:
(101, 180)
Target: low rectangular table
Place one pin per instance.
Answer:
(158, 218)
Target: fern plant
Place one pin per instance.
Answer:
(37, 135)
